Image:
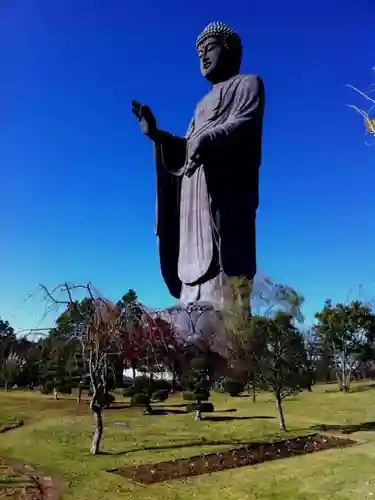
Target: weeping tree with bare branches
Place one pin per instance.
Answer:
(103, 332)
(95, 325)
(367, 109)
(100, 330)
(269, 297)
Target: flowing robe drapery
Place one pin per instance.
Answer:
(206, 223)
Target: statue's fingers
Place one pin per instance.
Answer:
(196, 158)
(191, 169)
(137, 114)
(136, 109)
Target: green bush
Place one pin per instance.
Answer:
(140, 399)
(148, 385)
(109, 399)
(188, 396)
(198, 364)
(198, 395)
(233, 387)
(143, 384)
(160, 395)
(162, 385)
(47, 388)
(207, 407)
(128, 392)
(64, 389)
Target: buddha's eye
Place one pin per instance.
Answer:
(211, 46)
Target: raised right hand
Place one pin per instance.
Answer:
(146, 119)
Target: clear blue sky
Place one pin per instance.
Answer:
(77, 176)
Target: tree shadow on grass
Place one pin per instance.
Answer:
(115, 406)
(192, 444)
(174, 405)
(183, 405)
(162, 411)
(346, 428)
(220, 418)
(178, 411)
(362, 388)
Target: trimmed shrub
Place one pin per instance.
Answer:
(198, 395)
(162, 385)
(198, 364)
(109, 399)
(128, 392)
(188, 396)
(160, 395)
(47, 388)
(143, 384)
(207, 407)
(197, 382)
(140, 399)
(64, 389)
(233, 387)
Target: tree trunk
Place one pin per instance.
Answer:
(6, 385)
(98, 432)
(254, 393)
(148, 409)
(79, 394)
(343, 381)
(198, 414)
(55, 393)
(280, 411)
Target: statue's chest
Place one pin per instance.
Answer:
(208, 109)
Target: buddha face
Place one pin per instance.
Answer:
(211, 53)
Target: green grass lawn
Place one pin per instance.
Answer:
(57, 434)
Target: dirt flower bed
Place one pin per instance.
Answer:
(17, 485)
(9, 425)
(22, 482)
(239, 457)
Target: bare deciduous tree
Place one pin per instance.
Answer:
(103, 331)
(97, 326)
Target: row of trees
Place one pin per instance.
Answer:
(95, 339)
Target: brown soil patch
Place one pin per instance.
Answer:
(12, 424)
(17, 485)
(23, 482)
(239, 457)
